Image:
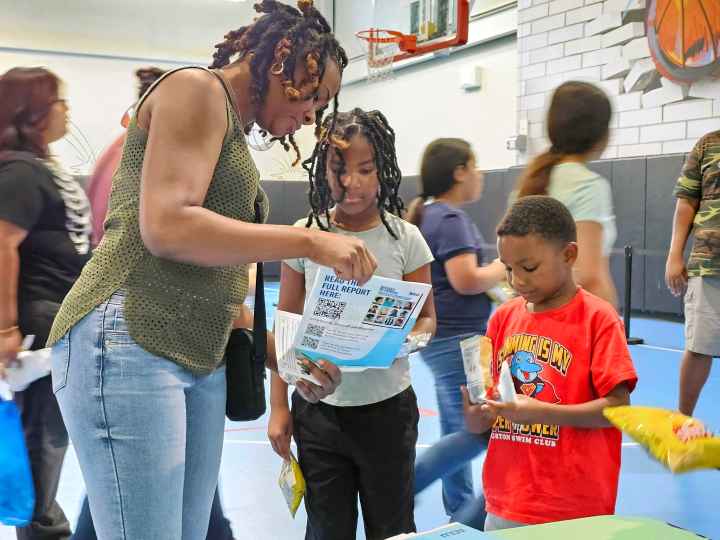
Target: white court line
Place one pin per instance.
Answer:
(656, 348)
(267, 443)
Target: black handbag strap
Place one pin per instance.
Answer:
(259, 320)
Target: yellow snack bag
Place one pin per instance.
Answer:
(679, 442)
(292, 484)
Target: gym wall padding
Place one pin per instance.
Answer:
(644, 206)
(662, 173)
(628, 181)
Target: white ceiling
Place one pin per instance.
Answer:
(177, 30)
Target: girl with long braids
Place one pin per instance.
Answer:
(359, 441)
(139, 341)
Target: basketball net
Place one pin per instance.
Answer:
(380, 58)
(382, 46)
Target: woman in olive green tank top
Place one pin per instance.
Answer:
(139, 340)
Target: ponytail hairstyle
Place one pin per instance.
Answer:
(275, 42)
(437, 172)
(577, 122)
(337, 131)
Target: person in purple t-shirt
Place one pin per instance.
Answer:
(450, 180)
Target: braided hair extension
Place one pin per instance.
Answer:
(275, 42)
(337, 131)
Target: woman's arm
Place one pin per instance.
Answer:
(467, 278)
(592, 269)
(187, 124)
(11, 236)
(675, 271)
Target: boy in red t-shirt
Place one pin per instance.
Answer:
(552, 454)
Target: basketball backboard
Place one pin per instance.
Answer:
(435, 24)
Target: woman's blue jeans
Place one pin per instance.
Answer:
(148, 433)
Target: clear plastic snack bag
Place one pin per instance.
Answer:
(292, 484)
(477, 353)
(506, 386)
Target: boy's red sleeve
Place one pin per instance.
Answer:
(493, 332)
(611, 363)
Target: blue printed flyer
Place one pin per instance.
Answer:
(358, 326)
(452, 531)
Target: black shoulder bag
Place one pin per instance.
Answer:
(245, 357)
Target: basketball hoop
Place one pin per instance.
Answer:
(382, 48)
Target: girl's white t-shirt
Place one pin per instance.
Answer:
(396, 258)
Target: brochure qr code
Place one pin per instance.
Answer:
(357, 326)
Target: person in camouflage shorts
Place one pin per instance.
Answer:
(697, 210)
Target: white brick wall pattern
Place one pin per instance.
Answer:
(669, 92)
(548, 23)
(585, 14)
(698, 128)
(602, 56)
(663, 132)
(642, 117)
(604, 23)
(616, 69)
(623, 35)
(604, 41)
(568, 33)
(678, 147)
(642, 76)
(688, 110)
(583, 45)
(706, 88)
(561, 6)
(636, 49)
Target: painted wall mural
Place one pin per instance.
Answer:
(684, 38)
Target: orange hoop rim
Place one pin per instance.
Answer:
(372, 35)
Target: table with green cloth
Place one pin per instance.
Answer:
(593, 528)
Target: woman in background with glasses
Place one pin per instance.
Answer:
(44, 243)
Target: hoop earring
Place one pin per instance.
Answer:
(277, 68)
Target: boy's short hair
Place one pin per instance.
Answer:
(541, 215)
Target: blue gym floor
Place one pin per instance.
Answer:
(254, 504)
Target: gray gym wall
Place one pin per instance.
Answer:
(644, 206)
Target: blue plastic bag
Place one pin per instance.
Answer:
(17, 493)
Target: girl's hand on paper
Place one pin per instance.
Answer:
(326, 373)
(280, 431)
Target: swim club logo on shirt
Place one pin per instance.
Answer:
(533, 360)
